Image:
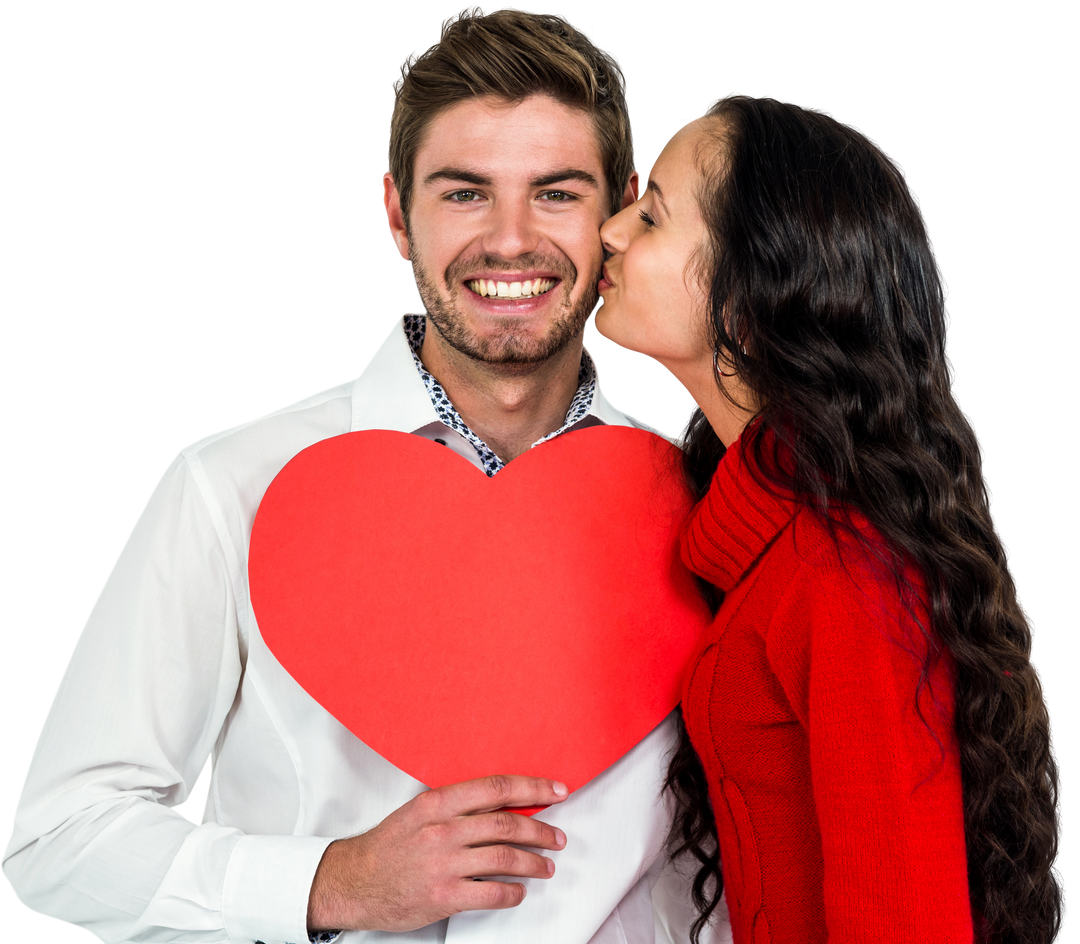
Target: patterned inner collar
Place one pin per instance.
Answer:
(416, 327)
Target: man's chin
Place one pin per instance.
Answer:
(508, 347)
(509, 343)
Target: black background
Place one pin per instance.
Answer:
(205, 243)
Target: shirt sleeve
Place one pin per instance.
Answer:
(147, 692)
(883, 756)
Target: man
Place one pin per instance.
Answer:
(509, 147)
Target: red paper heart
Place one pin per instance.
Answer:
(537, 622)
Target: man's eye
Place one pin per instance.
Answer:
(557, 196)
(464, 196)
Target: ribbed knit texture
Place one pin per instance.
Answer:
(838, 808)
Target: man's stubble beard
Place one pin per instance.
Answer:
(508, 346)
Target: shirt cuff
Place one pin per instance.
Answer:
(267, 885)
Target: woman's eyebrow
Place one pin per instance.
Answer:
(655, 188)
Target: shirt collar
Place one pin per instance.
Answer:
(415, 327)
(390, 391)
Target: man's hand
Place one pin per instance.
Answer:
(417, 866)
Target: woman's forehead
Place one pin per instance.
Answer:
(679, 166)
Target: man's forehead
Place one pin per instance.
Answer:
(535, 140)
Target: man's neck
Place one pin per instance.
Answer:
(509, 406)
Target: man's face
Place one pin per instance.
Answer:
(503, 228)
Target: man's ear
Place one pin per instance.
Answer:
(630, 194)
(392, 202)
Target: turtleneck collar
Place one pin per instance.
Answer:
(738, 518)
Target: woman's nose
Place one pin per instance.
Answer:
(614, 234)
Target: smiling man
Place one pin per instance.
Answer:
(510, 145)
(499, 218)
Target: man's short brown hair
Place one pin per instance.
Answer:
(511, 55)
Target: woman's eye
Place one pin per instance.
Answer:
(646, 219)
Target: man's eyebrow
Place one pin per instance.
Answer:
(567, 173)
(459, 175)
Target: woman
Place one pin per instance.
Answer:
(872, 734)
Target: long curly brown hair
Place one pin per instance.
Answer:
(823, 294)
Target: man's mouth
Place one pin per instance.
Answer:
(492, 289)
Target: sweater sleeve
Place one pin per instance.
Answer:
(883, 754)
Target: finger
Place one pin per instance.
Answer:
(501, 790)
(489, 896)
(484, 829)
(505, 860)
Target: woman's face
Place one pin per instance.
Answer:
(652, 300)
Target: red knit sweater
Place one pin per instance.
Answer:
(838, 807)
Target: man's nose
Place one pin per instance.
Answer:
(513, 231)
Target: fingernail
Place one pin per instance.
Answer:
(551, 867)
(560, 837)
(560, 789)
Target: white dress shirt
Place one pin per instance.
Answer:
(171, 668)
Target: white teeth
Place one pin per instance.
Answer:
(489, 288)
